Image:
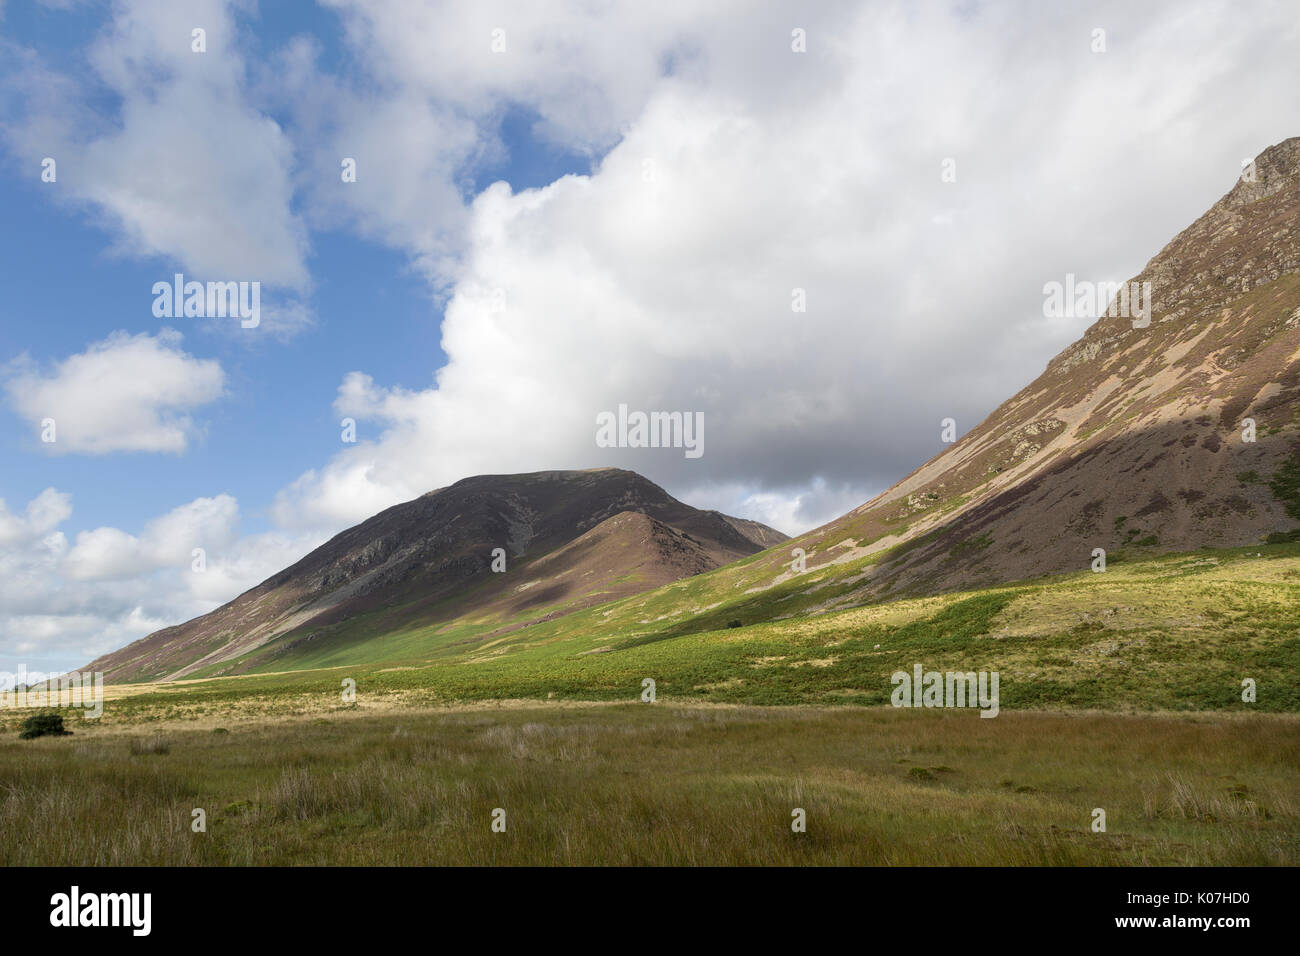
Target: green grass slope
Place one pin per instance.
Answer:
(1172, 632)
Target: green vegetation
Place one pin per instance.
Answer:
(1119, 690)
(664, 784)
(1169, 633)
(43, 725)
(1285, 485)
(969, 546)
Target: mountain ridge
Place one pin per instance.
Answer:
(421, 560)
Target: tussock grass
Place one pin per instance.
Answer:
(663, 784)
(155, 744)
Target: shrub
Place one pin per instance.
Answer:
(734, 624)
(43, 725)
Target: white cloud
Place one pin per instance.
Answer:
(43, 514)
(421, 114)
(814, 504)
(168, 541)
(771, 171)
(61, 606)
(187, 167)
(126, 393)
(585, 69)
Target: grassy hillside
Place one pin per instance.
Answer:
(1174, 632)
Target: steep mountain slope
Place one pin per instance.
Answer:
(1132, 440)
(571, 539)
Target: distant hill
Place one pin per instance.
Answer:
(571, 539)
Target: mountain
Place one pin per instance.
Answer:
(1132, 440)
(570, 539)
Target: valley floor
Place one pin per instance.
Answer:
(629, 783)
(1163, 693)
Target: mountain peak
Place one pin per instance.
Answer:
(1274, 169)
(517, 548)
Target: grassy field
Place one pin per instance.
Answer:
(658, 784)
(1120, 691)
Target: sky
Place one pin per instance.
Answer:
(558, 209)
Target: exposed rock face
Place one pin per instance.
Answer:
(572, 538)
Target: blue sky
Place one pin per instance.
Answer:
(371, 311)
(277, 414)
(559, 209)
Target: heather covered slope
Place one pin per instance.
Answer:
(571, 539)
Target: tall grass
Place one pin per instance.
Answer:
(661, 784)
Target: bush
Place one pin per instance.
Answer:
(43, 725)
(734, 624)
